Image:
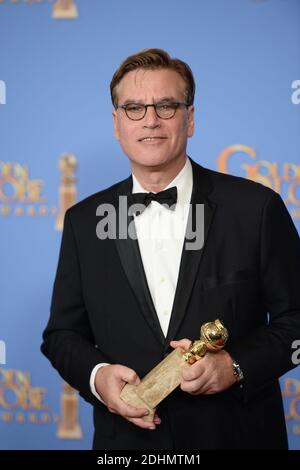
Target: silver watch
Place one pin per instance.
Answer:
(237, 371)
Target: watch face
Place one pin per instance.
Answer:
(237, 372)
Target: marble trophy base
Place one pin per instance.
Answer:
(166, 376)
(156, 385)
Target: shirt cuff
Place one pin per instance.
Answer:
(92, 380)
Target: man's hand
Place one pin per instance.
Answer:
(109, 382)
(211, 374)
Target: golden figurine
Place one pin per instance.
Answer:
(69, 427)
(166, 376)
(67, 189)
(65, 10)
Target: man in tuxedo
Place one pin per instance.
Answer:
(122, 302)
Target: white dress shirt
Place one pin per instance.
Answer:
(160, 234)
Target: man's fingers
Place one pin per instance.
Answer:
(146, 424)
(190, 387)
(142, 424)
(135, 416)
(182, 344)
(156, 419)
(129, 375)
(193, 371)
(129, 411)
(113, 380)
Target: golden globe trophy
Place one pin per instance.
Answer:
(65, 10)
(166, 376)
(69, 427)
(67, 189)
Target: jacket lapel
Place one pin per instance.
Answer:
(130, 257)
(190, 259)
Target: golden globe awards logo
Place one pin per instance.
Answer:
(19, 400)
(21, 195)
(23, 403)
(284, 178)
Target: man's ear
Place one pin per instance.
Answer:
(191, 123)
(116, 124)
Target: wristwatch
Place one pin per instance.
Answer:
(237, 371)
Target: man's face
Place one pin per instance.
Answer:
(153, 142)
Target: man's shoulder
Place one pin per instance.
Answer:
(232, 188)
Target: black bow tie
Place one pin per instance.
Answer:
(167, 197)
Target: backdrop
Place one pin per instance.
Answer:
(57, 146)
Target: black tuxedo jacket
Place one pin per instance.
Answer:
(247, 274)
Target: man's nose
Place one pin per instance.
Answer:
(151, 119)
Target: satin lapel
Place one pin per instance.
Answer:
(191, 259)
(130, 257)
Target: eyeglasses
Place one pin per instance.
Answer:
(164, 110)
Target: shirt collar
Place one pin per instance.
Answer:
(183, 181)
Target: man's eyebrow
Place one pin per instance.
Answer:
(159, 100)
(131, 100)
(166, 98)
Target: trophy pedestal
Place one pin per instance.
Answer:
(156, 385)
(166, 376)
(72, 433)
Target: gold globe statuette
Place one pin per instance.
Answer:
(67, 188)
(166, 376)
(68, 426)
(65, 10)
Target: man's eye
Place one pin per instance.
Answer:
(134, 108)
(165, 106)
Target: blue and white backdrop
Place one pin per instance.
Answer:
(56, 62)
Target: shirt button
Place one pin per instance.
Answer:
(166, 312)
(162, 280)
